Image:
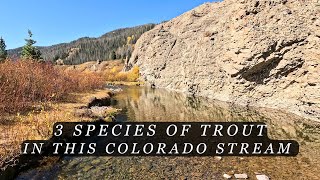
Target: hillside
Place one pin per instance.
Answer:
(248, 52)
(112, 45)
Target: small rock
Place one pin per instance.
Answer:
(241, 176)
(82, 112)
(262, 177)
(218, 158)
(99, 111)
(227, 176)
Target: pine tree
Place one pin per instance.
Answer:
(29, 51)
(112, 55)
(3, 51)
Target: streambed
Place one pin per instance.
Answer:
(145, 104)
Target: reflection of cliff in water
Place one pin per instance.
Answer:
(146, 104)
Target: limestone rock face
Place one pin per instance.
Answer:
(250, 52)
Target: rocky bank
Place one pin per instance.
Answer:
(249, 52)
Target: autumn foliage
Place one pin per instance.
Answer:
(116, 74)
(25, 83)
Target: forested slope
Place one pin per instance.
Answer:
(117, 44)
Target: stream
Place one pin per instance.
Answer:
(159, 105)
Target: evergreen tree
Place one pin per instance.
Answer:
(113, 55)
(29, 51)
(3, 51)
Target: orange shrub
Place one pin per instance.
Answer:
(25, 83)
(83, 81)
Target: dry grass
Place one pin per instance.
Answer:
(26, 83)
(38, 125)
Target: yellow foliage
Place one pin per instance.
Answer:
(135, 70)
(133, 75)
(114, 70)
(129, 39)
(115, 74)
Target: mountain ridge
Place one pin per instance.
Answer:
(86, 49)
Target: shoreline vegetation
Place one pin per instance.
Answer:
(35, 95)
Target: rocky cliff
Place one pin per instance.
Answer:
(249, 52)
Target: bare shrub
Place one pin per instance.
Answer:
(25, 83)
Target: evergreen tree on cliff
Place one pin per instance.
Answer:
(29, 51)
(3, 51)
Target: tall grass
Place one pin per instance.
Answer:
(25, 83)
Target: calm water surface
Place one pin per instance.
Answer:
(145, 104)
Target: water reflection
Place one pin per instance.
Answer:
(145, 104)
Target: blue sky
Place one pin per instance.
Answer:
(57, 21)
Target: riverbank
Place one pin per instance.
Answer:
(35, 95)
(37, 124)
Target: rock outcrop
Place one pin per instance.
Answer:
(249, 52)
